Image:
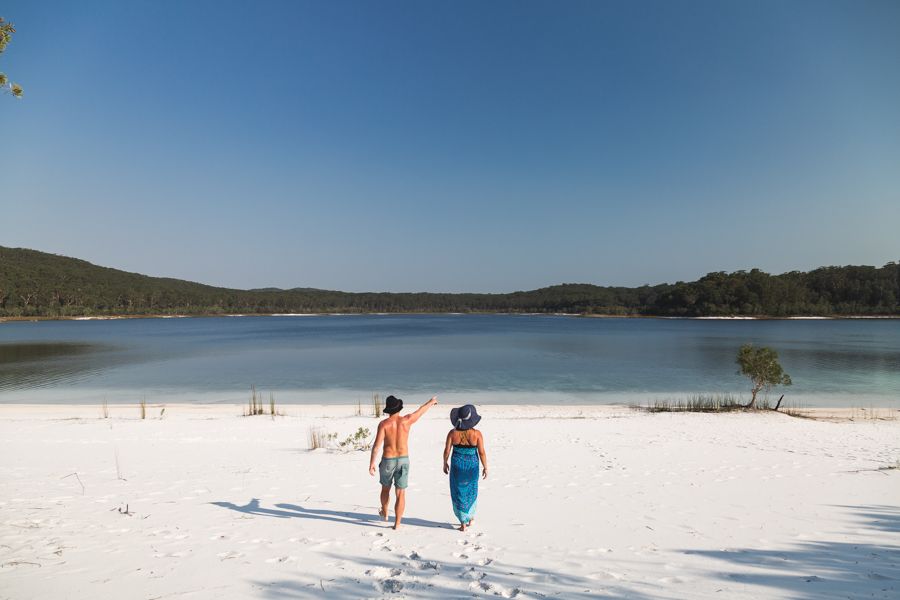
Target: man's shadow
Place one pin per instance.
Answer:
(338, 516)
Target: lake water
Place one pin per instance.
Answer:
(500, 358)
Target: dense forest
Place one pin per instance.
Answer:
(37, 284)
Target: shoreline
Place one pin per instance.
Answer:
(131, 412)
(455, 314)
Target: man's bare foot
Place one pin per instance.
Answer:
(396, 526)
(383, 514)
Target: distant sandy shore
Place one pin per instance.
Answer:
(590, 316)
(582, 502)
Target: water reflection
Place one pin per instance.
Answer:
(427, 353)
(29, 365)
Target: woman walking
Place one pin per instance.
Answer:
(467, 445)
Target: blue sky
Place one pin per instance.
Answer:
(465, 146)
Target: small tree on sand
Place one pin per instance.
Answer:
(762, 367)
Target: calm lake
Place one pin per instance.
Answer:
(498, 358)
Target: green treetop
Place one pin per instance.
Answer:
(6, 31)
(762, 367)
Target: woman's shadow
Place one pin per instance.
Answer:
(287, 511)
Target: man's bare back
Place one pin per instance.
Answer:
(393, 440)
(395, 431)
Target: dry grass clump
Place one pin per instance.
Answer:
(376, 406)
(143, 406)
(104, 409)
(873, 414)
(319, 438)
(255, 405)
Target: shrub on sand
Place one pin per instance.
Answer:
(357, 441)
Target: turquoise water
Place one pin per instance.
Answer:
(507, 357)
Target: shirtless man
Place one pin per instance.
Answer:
(393, 434)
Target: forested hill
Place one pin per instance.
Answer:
(35, 283)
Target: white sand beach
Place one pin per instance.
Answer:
(582, 502)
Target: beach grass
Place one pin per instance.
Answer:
(143, 406)
(873, 414)
(104, 409)
(376, 406)
(319, 438)
(254, 405)
(699, 403)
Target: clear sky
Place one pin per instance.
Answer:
(452, 146)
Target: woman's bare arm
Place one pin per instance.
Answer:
(447, 447)
(482, 454)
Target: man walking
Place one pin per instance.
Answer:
(393, 437)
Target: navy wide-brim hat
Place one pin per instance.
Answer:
(392, 405)
(464, 417)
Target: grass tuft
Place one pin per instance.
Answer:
(143, 406)
(255, 405)
(319, 438)
(376, 406)
(699, 403)
(104, 409)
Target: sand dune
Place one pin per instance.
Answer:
(582, 502)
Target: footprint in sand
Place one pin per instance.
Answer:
(229, 554)
(384, 572)
(416, 562)
(389, 586)
(472, 573)
(281, 559)
(676, 579)
(386, 580)
(606, 576)
(381, 543)
(497, 590)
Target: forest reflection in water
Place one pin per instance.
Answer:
(41, 364)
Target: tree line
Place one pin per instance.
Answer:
(38, 284)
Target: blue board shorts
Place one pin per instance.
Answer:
(394, 470)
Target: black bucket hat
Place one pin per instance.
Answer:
(464, 417)
(392, 405)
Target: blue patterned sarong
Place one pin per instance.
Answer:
(464, 473)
